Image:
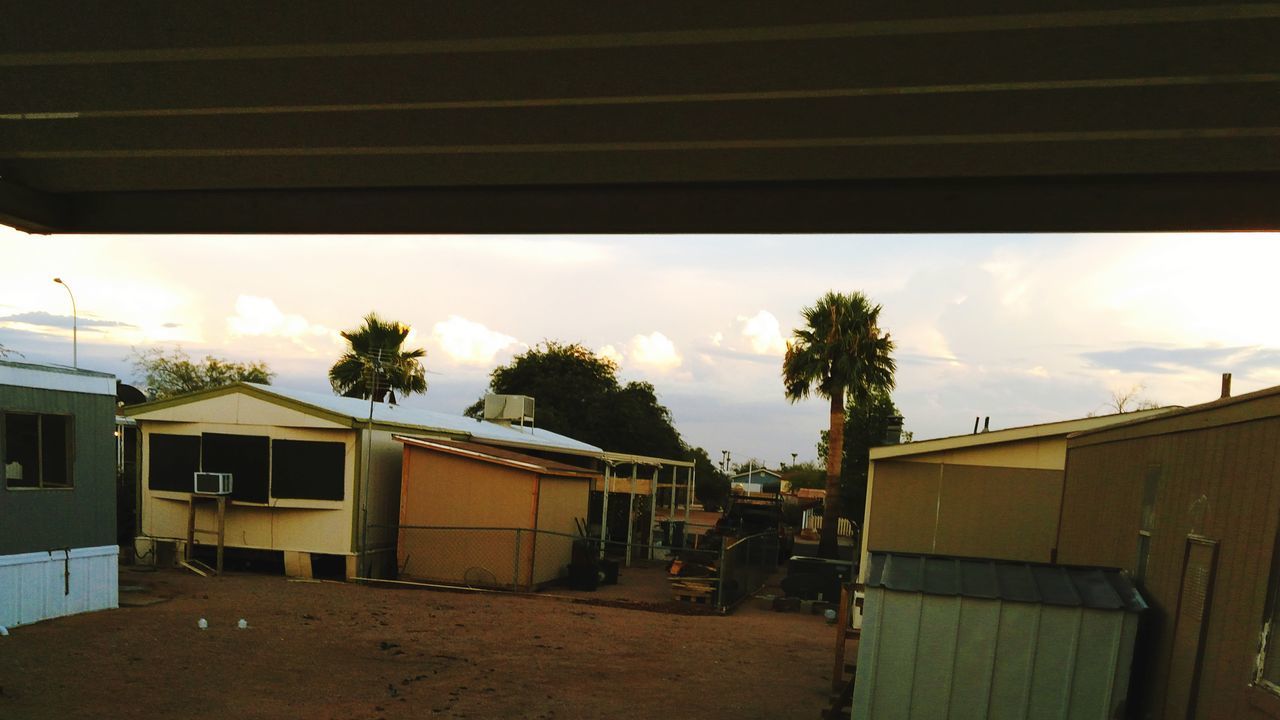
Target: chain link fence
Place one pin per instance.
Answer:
(711, 570)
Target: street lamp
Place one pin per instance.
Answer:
(75, 359)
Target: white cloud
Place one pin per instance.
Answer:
(655, 350)
(259, 317)
(609, 352)
(468, 342)
(763, 333)
(717, 339)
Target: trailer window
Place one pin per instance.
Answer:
(36, 450)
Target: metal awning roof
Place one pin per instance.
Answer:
(227, 116)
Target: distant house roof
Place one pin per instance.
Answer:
(811, 493)
(755, 472)
(395, 417)
(54, 377)
(1025, 432)
(499, 456)
(1098, 588)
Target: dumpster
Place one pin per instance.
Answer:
(813, 578)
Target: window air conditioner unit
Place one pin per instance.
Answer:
(212, 483)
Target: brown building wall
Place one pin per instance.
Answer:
(1004, 513)
(1214, 474)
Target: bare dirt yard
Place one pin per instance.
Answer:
(333, 650)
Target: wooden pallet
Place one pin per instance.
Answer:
(693, 590)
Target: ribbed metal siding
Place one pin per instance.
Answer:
(954, 645)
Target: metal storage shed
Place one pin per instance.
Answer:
(991, 494)
(946, 637)
(468, 507)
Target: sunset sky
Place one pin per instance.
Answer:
(1024, 329)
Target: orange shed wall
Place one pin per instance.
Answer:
(977, 511)
(560, 501)
(444, 490)
(1220, 482)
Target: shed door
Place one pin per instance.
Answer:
(1189, 626)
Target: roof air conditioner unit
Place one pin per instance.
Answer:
(507, 409)
(212, 483)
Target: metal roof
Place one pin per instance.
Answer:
(214, 116)
(1097, 588)
(498, 456)
(56, 377)
(1051, 429)
(358, 410)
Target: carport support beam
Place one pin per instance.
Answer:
(631, 511)
(653, 506)
(604, 509)
(689, 491)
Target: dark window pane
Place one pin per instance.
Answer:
(21, 450)
(307, 470)
(246, 457)
(174, 459)
(55, 451)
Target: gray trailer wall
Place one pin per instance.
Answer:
(85, 514)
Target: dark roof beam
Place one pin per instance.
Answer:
(31, 210)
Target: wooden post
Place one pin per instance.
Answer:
(222, 528)
(191, 527)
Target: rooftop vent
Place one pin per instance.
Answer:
(509, 409)
(893, 430)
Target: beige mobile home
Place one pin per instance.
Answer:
(305, 481)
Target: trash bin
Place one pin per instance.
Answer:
(810, 577)
(675, 534)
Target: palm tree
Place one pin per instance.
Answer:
(840, 353)
(374, 363)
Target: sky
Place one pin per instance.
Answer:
(1021, 328)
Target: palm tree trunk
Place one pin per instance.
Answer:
(828, 545)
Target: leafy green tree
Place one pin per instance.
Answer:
(806, 475)
(840, 354)
(578, 394)
(712, 489)
(166, 374)
(376, 362)
(865, 427)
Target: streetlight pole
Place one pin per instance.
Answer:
(75, 359)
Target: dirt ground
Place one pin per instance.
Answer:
(341, 651)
